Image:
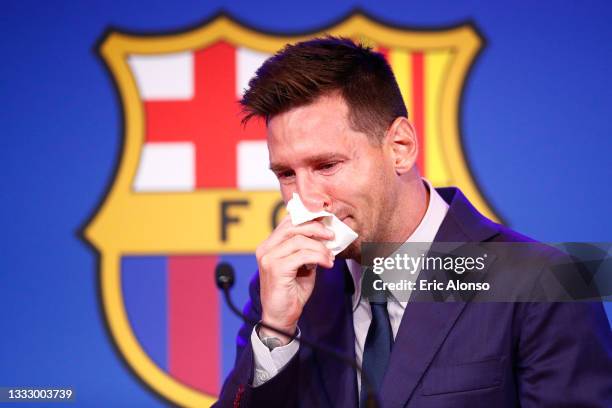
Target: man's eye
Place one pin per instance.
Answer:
(328, 166)
(284, 174)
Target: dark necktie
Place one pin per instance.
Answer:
(377, 349)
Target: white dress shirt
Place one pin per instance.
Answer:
(269, 363)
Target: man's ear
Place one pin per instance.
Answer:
(404, 144)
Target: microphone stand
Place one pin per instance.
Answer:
(224, 277)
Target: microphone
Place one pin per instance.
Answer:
(225, 277)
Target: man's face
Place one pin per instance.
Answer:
(314, 152)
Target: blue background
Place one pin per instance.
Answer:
(535, 122)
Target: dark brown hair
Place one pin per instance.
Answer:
(302, 72)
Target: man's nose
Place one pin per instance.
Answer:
(312, 194)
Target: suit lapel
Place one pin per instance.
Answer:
(425, 325)
(422, 331)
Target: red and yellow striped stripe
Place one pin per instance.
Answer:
(420, 76)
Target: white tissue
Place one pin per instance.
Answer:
(343, 234)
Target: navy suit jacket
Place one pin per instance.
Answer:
(454, 354)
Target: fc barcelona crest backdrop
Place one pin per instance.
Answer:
(193, 184)
(128, 176)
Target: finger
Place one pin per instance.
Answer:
(312, 229)
(298, 242)
(285, 221)
(293, 262)
(274, 238)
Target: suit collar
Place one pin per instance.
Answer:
(463, 222)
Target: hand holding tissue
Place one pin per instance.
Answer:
(344, 235)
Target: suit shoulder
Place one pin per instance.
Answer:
(506, 234)
(529, 247)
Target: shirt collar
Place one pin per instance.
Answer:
(425, 232)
